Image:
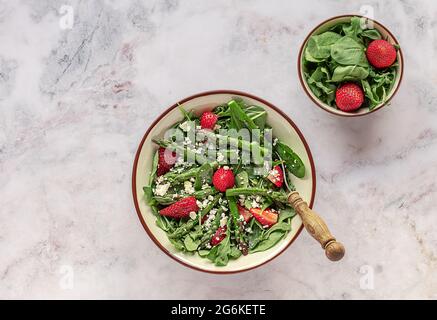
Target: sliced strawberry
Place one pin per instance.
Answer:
(208, 120)
(166, 161)
(223, 179)
(267, 217)
(276, 176)
(245, 213)
(180, 209)
(218, 236)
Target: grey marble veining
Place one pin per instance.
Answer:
(74, 104)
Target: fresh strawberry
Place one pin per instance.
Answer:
(381, 54)
(180, 209)
(267, 217)
(218, 236)
(208, 120)
(244, 213)
(349, 97)
(166, 161)
(276, 176)
(223, 179)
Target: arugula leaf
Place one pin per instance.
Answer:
(354, 28)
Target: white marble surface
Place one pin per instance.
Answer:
(74, 105)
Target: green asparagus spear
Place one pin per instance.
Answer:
(169, 199)
(186, 227)
(275, 195)
(238, 225)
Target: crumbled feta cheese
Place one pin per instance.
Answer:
(208, 246)
(185, 126)
(188, 187)
(160, 179)
(220, 157)
(187, 141)
(210, 198)
(225, 208)
(223, 221)
(205, 186)
(193, 179)
(275, 141)
(226, 167)
(255, 204)
(161, 189)
(193, 215)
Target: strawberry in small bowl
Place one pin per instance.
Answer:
(350, 65)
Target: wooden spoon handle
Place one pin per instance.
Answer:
(317, 228)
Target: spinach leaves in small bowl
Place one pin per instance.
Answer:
(338, 55)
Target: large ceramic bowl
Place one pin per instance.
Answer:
(325, 26)
(283, 128)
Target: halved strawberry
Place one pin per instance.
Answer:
(245, 213)
(218, 236)
(181, 209)
(276, 176)
(267, 217)
(166, 161)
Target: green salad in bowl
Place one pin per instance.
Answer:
(349, 65)
(220, 181)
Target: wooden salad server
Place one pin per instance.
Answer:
(316, 227)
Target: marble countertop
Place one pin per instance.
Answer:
(76, 98)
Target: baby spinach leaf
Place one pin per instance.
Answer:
(347, 51)
(292, 160)
(281, 226)
(349, 73)
(258, 115)
(285, 214)
(310, 58)
(319, 46)
(372, 34)
(203, 252)
(190, 244)
(270, 242)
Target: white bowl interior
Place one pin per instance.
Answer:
(385, 35)
(282, 129)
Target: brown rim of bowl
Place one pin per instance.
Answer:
(233, 92)
(315, 100)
